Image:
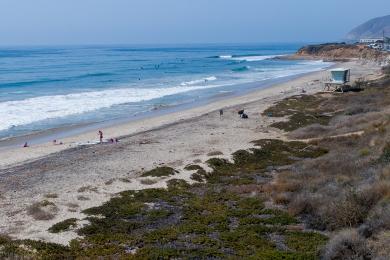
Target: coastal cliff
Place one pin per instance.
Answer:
(339, 52)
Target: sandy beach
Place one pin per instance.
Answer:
(77, 175)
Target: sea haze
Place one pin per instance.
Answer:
(50, 87)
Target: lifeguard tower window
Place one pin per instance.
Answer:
(340, 75)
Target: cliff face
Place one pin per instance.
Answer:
(335, 51)
(372, 28)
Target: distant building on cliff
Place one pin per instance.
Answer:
(370, 40)
(382, 43)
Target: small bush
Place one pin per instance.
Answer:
(148, 181)
(283, 198)
(360, 83)
(82, 198)
(193, 167)
(385, 157)
(364, 152)
(197, 177)
(215, 153)
(301, 204)
(351, 210)
(109, 182)
(160, 172)
(177, 184)
(72, 205)
(88, 188)
(63, 225)
(380, 245)
(347, 245)
(51, 196)
(200, 173)
(44, 210)
(377, 221)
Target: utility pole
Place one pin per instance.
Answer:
(383, 40)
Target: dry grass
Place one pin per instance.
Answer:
(109, 182)
(377, 221)
(252, 189)
(44, 210)
(72, 205)
(51, 196)
(380, 245)
(282, 198)
(148, 181)
(88, 188)
(348, 188)
(347, 245)
(303, 203)
(82, 198)
(215, 153)
(350, 211)
(126, 180)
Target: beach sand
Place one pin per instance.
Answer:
(75, 177)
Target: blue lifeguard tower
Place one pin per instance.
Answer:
(339, 78)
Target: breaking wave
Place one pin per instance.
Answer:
(30, 110)
(247, 58)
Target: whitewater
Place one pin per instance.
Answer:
(44, 88)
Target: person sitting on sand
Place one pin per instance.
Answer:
(55, 142)
(241, 112)
(25, 144)
(100, 136)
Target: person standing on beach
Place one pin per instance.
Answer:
(221, 113)
(100, 136)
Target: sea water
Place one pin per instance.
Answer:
(51, 87)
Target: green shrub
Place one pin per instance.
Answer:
(63, 225)
(160, 172)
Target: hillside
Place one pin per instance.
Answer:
(372, 28)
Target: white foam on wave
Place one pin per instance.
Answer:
(31, 110)
(255, 58)
(249, 58)
(198, 81)
(225, 56)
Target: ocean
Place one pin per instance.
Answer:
(44, 88)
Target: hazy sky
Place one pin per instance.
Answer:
(41, 22)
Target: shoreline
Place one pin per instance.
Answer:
(56, 133)
(101, 171)
(73, 135)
